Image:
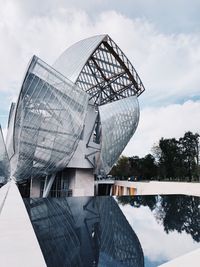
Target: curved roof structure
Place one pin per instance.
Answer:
(71, 62)
(100, 68)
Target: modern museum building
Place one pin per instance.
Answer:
(72, 120)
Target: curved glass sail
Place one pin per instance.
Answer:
(4, 161)
(119, 121)
(9, 137)
(48, 122)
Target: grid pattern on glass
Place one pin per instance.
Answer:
(9, 136)
(4, 161)
(77, 55)
(120, 245)
(82, 231)
(48, 122)
(108, 75)
(119, 121)
(55, 229)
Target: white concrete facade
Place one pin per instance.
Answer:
(162, 188)
(81, 182)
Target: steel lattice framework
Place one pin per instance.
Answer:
(108, 75)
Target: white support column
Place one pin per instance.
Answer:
(125, 191)
(81, 182)
(111, 190)
(48, 185)
(117, 190)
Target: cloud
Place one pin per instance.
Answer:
(170, 121)
(167, 19)
(168, 64)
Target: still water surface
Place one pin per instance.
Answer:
(115, 232)
(166, 226)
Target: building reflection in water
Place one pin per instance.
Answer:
(84, 231)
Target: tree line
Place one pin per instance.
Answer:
(172, 159)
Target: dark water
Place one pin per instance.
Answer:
(166, 226)
(94, 231)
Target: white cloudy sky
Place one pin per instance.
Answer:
(161, 38)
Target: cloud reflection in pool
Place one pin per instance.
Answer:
(167, 226)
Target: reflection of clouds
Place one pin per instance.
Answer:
(156, 243)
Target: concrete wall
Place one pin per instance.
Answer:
(164, 188)
(81, 181)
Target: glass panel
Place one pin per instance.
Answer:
(49, 120)
(4, 161)
(108, 75)
(9, 137)
(119, 121)
(77, 55)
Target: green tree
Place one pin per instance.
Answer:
(144, 168)
(135, 166)
(170, 159)
(189, 144)
(122, 168)
(149, 167)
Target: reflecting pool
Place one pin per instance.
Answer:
(166, 226)
(84, 231)
(115, 232)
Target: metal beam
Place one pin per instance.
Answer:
(112, 51)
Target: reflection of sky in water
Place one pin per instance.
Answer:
(157, 245)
